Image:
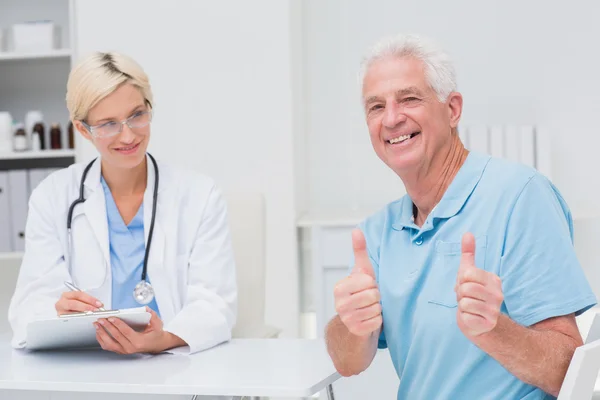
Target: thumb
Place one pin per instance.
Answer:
(467, 258)
(362, 263)
(155, 322)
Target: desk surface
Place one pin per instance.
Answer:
(244, 367)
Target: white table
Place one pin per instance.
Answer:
(242, 367)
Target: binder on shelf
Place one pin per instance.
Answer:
(527, 136)
(464, 136)
(18, 189)
(5, 230)
(497, 141)
(513, 142)
(478, 139)
(36, 176)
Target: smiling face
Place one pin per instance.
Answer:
(407, 123)
(127, 149)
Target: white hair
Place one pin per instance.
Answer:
(439, 70)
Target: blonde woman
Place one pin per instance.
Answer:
(124, 231)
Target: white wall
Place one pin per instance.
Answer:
(221, 75)
(518, 62)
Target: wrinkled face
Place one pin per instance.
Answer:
(408, 125)
(125, 150)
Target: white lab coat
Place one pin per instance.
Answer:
(191, 264)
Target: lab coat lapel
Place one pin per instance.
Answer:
(95, 209)
(156, 270)
(157, 245)
(156, 267)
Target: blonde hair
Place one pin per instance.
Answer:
(97, 76)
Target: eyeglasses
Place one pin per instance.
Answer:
(138, 120)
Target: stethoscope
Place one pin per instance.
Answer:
(143, 292)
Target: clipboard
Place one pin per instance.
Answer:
(77, 330)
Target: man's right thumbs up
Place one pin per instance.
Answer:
(357, 296)
(362, 263)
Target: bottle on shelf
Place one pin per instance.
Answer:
(40, 131)
(71, 135)
(20, 138)
(55, 136)
(36, 143)
(32, 118)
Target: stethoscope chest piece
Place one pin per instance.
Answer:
(143, 292)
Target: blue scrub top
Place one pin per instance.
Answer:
(523, 230)
(127, 250)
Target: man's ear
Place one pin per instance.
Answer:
(455, 105)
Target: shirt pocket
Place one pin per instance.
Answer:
(446, 265)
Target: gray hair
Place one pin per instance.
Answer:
(439, 70)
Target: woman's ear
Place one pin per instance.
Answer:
(83, 130)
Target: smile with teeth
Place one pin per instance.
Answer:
(128, 148)
(402, 138)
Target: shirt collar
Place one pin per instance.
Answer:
(456, 195)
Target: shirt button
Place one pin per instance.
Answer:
(419, 241)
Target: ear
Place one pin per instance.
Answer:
(455, 105)
(83, 130)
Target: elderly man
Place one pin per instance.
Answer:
(471, 279)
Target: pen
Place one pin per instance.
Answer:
(76, 289)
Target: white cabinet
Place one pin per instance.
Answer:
(36, 80)
(328, 252)
(32, 79)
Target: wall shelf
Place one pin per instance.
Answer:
(11, 255)
(37, 159)
(37, 154)
(12, 56)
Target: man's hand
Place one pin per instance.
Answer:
(478, 292)
(357, 296)
(116, 336)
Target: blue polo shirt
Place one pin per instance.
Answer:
(523, 230)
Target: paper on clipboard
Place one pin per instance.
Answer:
(77, 330)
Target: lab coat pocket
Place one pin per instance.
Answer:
(446, 265)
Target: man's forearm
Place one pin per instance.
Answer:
(350, 354)
(537, 357)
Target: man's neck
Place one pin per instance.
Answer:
(427, 186)
(125, 182)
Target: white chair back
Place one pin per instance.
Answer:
(582, 374)
(246, 212)
(528, 144)
(585, 239)
(9, 272)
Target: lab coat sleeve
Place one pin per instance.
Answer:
(43, 270)
(209, 313)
